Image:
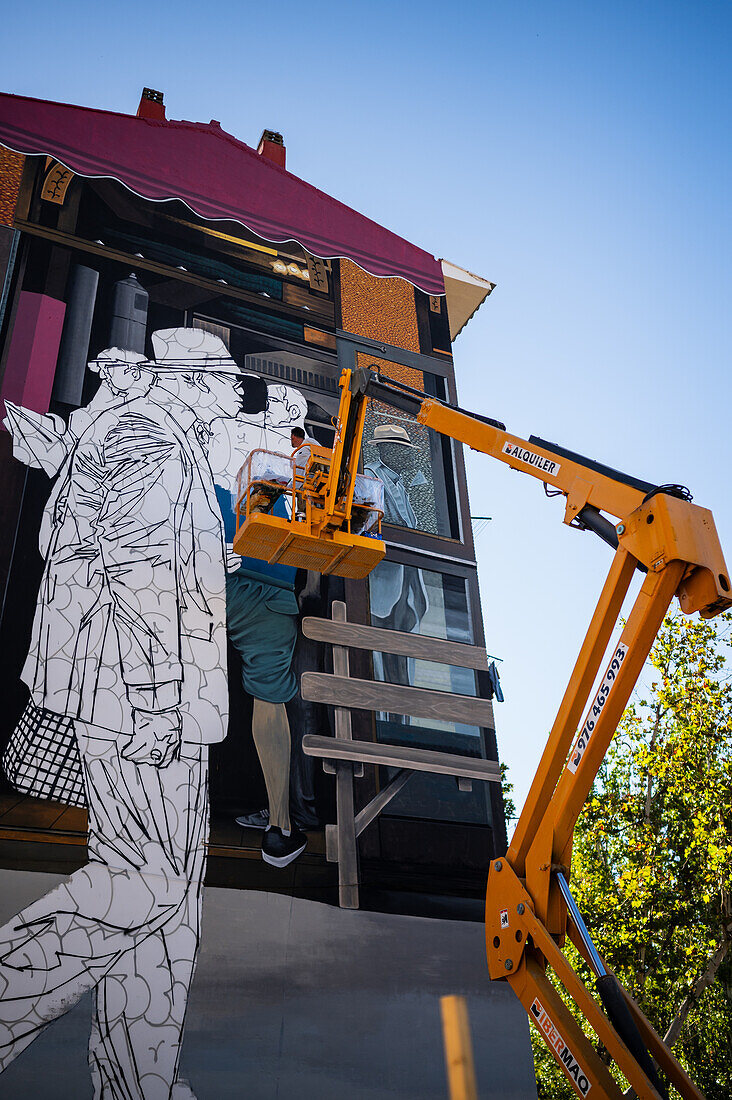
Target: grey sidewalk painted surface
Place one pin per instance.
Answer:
(297, 999)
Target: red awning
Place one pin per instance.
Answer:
(219, 177)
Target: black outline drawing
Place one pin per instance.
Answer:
(129, 643)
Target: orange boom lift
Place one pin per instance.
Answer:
(334, 514)
(529, 907)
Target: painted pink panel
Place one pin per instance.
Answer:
(34, 344)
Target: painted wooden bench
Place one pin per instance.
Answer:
(345, 758)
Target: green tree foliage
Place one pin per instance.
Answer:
(652, 863)
(509, 806)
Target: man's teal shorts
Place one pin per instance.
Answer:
(262, 624)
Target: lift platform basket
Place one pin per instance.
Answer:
(305, 538)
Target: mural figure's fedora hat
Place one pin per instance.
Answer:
(189, 349)
(391, 433)
(117, 355)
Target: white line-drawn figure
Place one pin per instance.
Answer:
(44, 442)
(234, 438)
(286, 409)
(129, 641)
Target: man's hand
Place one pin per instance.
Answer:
(155, 739)
(308, 599)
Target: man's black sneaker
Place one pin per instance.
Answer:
(278, 850)
(257, 819)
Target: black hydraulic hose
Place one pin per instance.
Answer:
(593, 519)
(349, 433)
(405, 398)
(620, 1017)
(611, 994)
(409, 402)
(591, 464)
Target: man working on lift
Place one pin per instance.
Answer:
(301, 441)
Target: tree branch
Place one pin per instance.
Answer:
(703, 982)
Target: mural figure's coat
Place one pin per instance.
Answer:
(129, 641)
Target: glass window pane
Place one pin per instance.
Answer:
(414, 462)
(421, 601)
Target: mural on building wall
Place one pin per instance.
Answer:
(127, 678)
(150, 637)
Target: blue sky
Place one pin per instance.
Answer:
(575, 153)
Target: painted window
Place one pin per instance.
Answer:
(414, 462)
(421, 601)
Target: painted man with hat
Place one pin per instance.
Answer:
(129, 641)
(44, 442)
(397, 592)
(392, 460)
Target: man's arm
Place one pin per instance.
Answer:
(146, 481)
(39, 441)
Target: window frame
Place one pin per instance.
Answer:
(348, 347)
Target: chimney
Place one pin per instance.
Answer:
(272, 146)
(151, 105)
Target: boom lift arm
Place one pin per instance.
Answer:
(529, 908)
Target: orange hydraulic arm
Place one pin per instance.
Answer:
(529, 908)
(678, 530)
